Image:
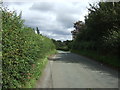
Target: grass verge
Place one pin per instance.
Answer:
(109, 60)
(37, 71)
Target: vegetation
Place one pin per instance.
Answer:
(104, 59)
(0, 65)
(100, 33)
(24, 52)
(65, 45)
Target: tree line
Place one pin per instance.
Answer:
(100, 33)
(99, 36)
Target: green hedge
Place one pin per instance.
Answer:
(22, 48)
(105, 59)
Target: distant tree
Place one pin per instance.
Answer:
(78, 28)
(38, 32)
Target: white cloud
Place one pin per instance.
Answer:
(54, 19)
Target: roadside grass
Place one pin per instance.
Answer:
(37, 71)
(0, 68)
(109, 60)
(0, 53)
(64, 48)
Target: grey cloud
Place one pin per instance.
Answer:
(63, 18)
(58, 32)
(42, 6)
(13, 3)
(54, 30)
(57, 7)
(52, 18)
(66, 20)
(61, 37)
(64, 12)
(33, 23)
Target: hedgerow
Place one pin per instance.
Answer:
(22, 50)
(99, 35)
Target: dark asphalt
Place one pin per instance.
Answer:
(69, 70)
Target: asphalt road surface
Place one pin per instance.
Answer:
(69, 70)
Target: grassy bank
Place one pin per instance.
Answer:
(37, 71)
(105, 59)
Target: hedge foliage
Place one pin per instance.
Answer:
(22, 48)
(100, 33)
(101, 30)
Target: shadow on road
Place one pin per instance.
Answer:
(68, 57)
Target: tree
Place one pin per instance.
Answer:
(38, 32)
(101, 30)
(78, 28)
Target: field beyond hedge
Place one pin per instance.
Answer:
(24, 52)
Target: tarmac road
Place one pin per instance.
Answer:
(69, 70)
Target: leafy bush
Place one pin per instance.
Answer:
(100, 32)
(63, 45)
(22, 48)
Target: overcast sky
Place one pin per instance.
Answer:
(54, 19)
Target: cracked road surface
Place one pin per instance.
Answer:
(69, 70)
